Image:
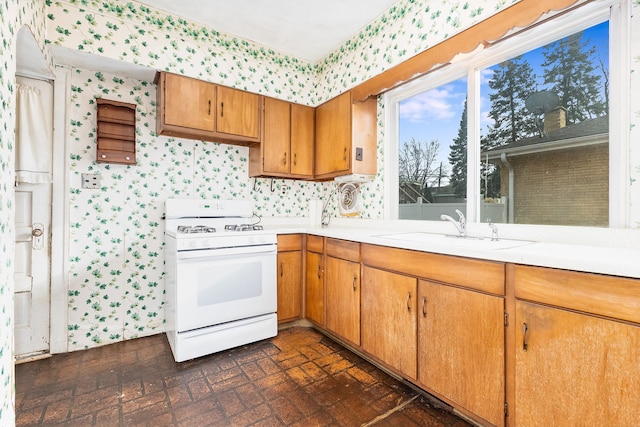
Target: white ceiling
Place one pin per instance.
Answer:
(306, 29)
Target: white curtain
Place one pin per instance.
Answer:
(33, 137)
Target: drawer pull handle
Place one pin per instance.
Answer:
(424, 306)
(285, 158)
(409, 301)
(281, 270)
(319, 271)
(355, 279)
(222, 109)
(295, 159)
(525, 329)
(344, 157)
(209, 111)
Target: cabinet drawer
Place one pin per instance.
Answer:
(289, 242)
(343, 249)
(315, 244)
(608, 296)
(484, 276)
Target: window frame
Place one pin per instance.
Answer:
(548, 28)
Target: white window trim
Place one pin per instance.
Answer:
(618, 13)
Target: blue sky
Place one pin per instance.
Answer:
(435, 114)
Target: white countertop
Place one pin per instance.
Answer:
(614, 252)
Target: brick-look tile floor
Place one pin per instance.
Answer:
(299, 378)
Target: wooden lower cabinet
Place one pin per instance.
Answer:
(289, 277)
(575, 369)
(289, 286)
(314, 296)
(461, 348)
(389, 321)
(343, 298)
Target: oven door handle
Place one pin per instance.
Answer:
(243, 250)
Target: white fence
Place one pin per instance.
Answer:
(489, 212)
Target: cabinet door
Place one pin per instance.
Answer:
(238, 112)
(302, 139)
(189, 102)
(315, 288)
(289, 285)
(574, 369)
(343, 298)
(276, 142)
(461, 348)
(333, 135)
(389, 321)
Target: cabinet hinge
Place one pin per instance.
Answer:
(506, 409)
(506, 319)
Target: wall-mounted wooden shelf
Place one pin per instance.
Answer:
(116, 132)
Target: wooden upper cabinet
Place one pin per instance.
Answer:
(276, 144)
(345, 137)
(286, 149)
(188, 102)
(195, 109)
(238, 113)
(303, 123)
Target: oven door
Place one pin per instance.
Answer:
(216, 286)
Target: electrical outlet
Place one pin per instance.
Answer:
(91, 180)
(359, 153)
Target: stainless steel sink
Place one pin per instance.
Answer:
(456, 241)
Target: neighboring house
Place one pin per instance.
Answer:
(568, 166)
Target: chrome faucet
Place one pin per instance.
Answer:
(494, 232)
(461, 224)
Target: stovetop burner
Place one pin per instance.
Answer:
(188, 229)
(242, 227)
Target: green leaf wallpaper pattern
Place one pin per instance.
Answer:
(13, 16)
(116, 289)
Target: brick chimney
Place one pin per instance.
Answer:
(555, 119)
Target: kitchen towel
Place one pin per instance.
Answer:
(33, 137)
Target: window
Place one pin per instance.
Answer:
(518, 133)
(432, 157)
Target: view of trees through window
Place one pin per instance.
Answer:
(544, 138)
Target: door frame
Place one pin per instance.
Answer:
(60, 214)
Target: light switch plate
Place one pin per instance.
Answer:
(91, 180)
(359, 153)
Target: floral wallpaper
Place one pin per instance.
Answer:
(135, 33)
(13, 15)
(9, 25)
(115, 243)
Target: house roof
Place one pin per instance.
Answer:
(588, 132)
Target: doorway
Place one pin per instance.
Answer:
(32, 225)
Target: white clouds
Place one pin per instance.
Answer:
(442, 103)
